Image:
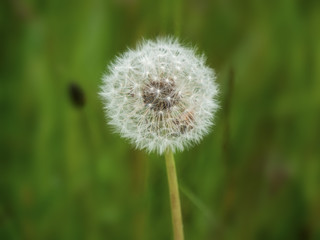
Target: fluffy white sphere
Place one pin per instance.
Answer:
(160, 96)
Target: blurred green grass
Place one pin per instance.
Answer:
(65, 175)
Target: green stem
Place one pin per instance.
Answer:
(174, 196)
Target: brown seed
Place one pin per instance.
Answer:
(160, 95)
(185, 122)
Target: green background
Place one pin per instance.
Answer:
(65, 175)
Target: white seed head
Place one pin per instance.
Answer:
(160, 96)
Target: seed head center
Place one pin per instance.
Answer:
(160, 95)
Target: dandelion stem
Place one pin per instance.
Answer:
(174, 196)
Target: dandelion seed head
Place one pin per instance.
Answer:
(160, 95)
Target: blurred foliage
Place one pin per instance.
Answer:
(65, 175)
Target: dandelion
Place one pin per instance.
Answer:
(161, 96)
